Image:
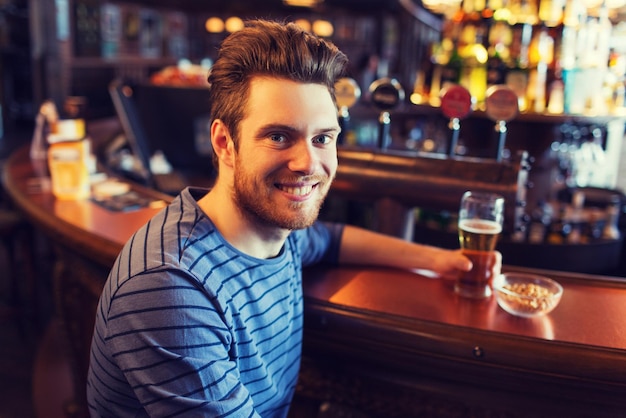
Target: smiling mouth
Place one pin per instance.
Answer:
(297, 191)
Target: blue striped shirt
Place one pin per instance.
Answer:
(189, 326)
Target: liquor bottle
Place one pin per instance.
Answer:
(541, 53)
(595, 64)
(498, 52)
(571, 56)
(551, 11)
(451, 70)
(496, 70)
(611, 230)
(576, 218)
(446, 60)
(555, 99)
(560, 228)
(87, 28)
(517, 74)
(594, 225)
(475, 56)
(539, 223)
(525, 11)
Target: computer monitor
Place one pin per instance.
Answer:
(122, 95)
(176, 121)
(173, 120)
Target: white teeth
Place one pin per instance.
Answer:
(298, 191)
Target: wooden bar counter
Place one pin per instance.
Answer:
(385, 342)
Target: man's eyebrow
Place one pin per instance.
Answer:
(290, 128)
(277, 127)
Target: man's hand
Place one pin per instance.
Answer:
(450, 264)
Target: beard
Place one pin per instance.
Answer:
(261, 203)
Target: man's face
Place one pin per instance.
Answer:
(287, 156)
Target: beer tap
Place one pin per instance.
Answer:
(456, 103)
(386, 94)
(347, 93)
(501, 106)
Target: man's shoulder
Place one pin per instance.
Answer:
(168, 241)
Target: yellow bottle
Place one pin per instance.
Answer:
(474, 69)
(68, 161)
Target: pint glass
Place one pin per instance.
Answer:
(480, 224)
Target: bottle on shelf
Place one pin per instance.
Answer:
(551, 12)
(568, 60)
(600, 38)
(524, 11)
(446, 61)
(474, 56)
(540, 56)
(611, 227)
(576, 218)
(451, 71)
(555, 97)
(617, 76)
(518, 73)
(594, 224)
(539, 223)
(560, 228)
(584, 59)
(499, 38)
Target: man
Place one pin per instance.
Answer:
(202, 312)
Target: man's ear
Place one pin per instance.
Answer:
(222, 142)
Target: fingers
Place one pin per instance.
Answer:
(462, 263)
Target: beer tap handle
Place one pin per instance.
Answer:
(456, 103)
(347, 93)
(501, 106)
(386, 94)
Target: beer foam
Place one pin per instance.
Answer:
(480, 226)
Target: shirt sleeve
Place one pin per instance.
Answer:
(322, 243)
(173, 346)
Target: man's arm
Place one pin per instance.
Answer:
(361, 246)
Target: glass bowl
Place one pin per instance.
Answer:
(526, 295)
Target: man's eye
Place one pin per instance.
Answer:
(278, 138)
(323, 139)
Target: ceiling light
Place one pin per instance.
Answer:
(234, 24)
(323, 28)
(303, 24)
(302, 3)
(214, 25)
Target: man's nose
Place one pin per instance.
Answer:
(303, 158)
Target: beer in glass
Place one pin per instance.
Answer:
(480, 224)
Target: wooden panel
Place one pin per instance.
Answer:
(411, 334)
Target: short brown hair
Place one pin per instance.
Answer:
(281, 50)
